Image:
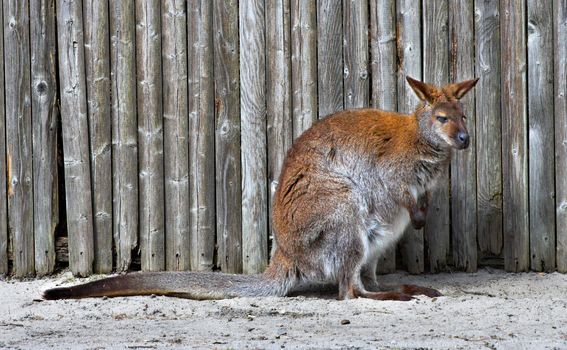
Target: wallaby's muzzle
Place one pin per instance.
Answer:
(462, 140)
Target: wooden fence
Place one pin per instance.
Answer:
(170, 120)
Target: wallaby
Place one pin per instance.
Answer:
(349, 186)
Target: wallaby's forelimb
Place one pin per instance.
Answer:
(417, 208)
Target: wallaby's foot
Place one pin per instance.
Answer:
(418, 290)
(386, 296)
(353, 293)
(397, 296)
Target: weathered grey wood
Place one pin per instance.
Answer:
(227, 142)
(202, 134)
(97, 61)
(560, 97)
(514, 136)
(124, 131)
(150, 134)
(436, 71)
(384, 79)
(19, 135)
(303, 64)
(463, 164)
(355, 52)
(62, 251)
(408, 14)
(44, 117)
(541, 145)
(278, 92)
(3, 194)
(488, 127)
(330, 56)
(75, 130)
(253, 136)
(383, 54)
(176, 135)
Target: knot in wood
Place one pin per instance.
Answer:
(41, 88)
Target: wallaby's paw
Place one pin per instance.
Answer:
(418, 290)
(418, 218)
(418, 224)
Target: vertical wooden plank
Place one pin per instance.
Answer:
(44, 116)
(330, 56)
(124, 131)
(463, 164)
(560, 97)
(3, 194)
(303, 64)
(355, 52)
(227, 141)
(488, 127)
(202, 129)
(97, 59)
(150, 134)
(253, 136)
(278, 91)
(541, 146)
(384, 79)
(176, 134)
(19, 135)
(409, 63)
(514, 137)
(436, 71)
(75, 130)
(383, 54)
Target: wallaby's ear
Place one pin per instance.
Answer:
(460, 89)
(421, 89)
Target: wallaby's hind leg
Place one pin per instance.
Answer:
(356, 289)
(351, 260)
(418, 290)
(350, 283)
(402, 292)
(351, 274)
(372, 288)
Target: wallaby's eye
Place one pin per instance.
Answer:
(441, 119)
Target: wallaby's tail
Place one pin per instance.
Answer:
(191, 285)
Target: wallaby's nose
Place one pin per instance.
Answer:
(463, 139)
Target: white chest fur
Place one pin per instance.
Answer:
(381, 236)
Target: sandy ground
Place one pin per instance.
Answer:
(489, 309)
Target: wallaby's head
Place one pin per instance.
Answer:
(442, 119)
